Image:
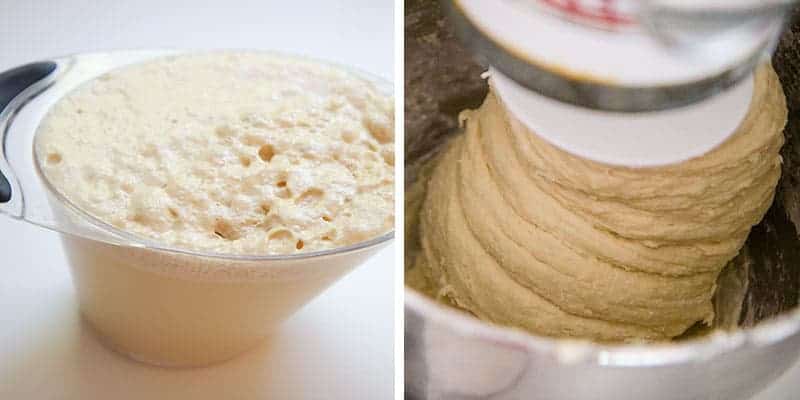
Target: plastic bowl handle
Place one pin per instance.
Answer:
(12, 83)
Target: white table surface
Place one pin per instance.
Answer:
(338, 346)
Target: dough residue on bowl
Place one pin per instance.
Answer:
(227, 152)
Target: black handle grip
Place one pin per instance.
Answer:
(12, 83)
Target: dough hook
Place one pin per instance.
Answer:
(623, 82)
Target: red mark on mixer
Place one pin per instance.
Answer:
(603, 12)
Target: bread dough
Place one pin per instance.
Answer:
(523, 234)
(228, 152)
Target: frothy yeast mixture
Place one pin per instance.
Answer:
(228, 152)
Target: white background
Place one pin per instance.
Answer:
(339, 346)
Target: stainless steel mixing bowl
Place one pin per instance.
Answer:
(451, 355)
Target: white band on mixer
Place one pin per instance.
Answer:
(645, 139)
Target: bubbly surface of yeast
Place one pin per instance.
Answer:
(227, 152)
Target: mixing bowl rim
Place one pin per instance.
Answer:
(586, 352)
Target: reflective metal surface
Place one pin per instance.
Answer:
(676, 29)
(450, 355)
